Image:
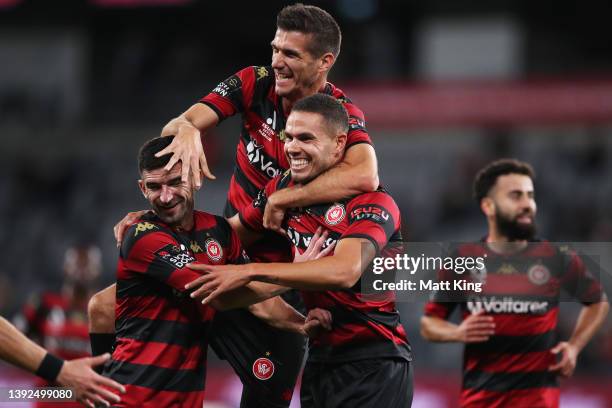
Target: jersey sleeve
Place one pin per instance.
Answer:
(578, 281)
(232, 95)
(357, 126)
(251, 216)
(373, 216)
(442, 303)
(150, 251)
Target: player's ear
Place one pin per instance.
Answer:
(326, 61)
(141, 185)
(341, 143)
(487, 206)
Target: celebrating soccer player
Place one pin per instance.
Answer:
(304, 49)
(366, 356)
(162, 334)
(512, 355)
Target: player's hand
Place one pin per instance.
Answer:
(187, 147)
(317, 321)
(274, 214)
(567, 364)
(89, 386)
(216, 280)
(314, 248)
(476, 328)
(122, 226)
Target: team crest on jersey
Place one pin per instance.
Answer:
(335, 214)
(263, 368)
(538, 274)
(214, 251)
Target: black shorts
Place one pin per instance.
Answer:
(266, 359)
(372, 383)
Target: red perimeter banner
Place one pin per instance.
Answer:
(139, 3)
(484, 103)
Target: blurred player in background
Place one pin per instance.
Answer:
(365, 360)
(512, 355)
(58, 321)
(88, 386)
(304, 49)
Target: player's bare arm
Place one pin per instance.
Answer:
(356, 173)
(338, 271)
(589, 321)
(476, 328)
(187, 144)
(101, 310)
(88, 386)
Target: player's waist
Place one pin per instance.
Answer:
(358, 349)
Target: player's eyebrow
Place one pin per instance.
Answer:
(287, 51)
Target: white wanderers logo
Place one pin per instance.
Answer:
(263, 369)
(335, 214)
(213, 249)
(538, 274)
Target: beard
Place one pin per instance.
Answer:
(185, 207)
(514, 230)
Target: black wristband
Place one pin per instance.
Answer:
(50, 367)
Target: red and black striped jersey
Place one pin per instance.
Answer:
(364, 326)
(522, 292)
(161, 333)
(260, 156)
(56, 323)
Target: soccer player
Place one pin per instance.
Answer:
(512, 354)
(304, 49)
(162, 334)
(58, 320)
(89, 387)
(365, 359)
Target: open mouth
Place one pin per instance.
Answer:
(299, 164)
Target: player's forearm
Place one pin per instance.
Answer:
(252, 293)
(438, 330)
(589, 321)
(357, 173)
(328, 273)
(278, 313)
(198, 117)
(17, 349)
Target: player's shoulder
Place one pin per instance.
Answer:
(378, 197)
(342, 97)
(148, 228)
(375, 205)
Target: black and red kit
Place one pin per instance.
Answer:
(240, 337)
(161, 333)
(260, 154)
(364, 327)
(56, 323)
(522, 292)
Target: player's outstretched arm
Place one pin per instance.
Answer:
(356, 173)
(101, 316)
(187, 143)
(339, 271)
(589, 321)
(20, 351)
(278, 313)
(475, 328)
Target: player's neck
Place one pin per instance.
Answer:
(501, 244)
(186, 224)
(317, 86)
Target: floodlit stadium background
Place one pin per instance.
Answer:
(445, 87)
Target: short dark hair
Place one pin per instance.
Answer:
(332, 110)
(146, 154)
(326, 35)
(488, 175)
